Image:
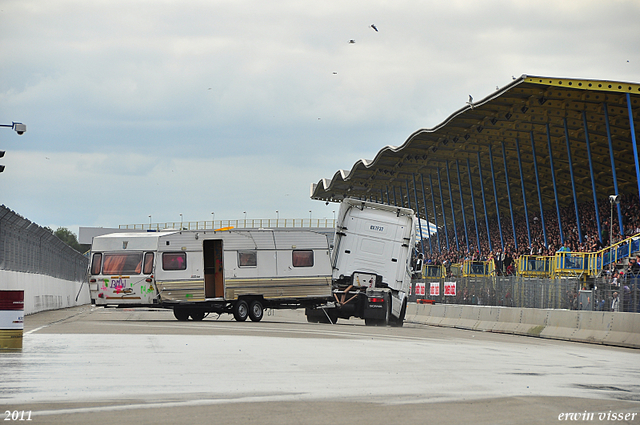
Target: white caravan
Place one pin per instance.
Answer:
(197, 272)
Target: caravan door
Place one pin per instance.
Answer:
(212, 252)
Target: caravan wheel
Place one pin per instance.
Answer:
(197, 315)
(256, 311)
(240, 311)
(181, 314)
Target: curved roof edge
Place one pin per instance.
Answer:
(318, 190)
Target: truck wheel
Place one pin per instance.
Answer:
(256, 311)
(197, 315)
(313, 315)
(240, 311)
(181, 314)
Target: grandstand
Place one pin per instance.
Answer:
(541, 165)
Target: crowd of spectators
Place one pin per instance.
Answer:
(437, 253)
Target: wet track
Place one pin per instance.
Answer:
(95, 365)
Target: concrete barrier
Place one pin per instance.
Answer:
(45, 292)
(487, 318)
(508, 320)
(468, 317)
(621, 329)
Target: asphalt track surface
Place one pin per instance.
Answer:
(89, 365)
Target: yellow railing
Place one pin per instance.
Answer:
(535, 266)
(603, 259)
(577, 263)
(571, 264)
(432, 271)
(456, 270)
(478, 268)
(250, 223)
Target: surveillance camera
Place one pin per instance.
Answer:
(614, 199)
(19, 128)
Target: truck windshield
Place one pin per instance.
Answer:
(122, 263)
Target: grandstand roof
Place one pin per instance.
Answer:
(528, 109)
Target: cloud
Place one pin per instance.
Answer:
(241, 105)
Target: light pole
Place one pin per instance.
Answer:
(149, 222)
(614, 199)
(213, 219)
(19, 128)
(180, 221)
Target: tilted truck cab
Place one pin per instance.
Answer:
(371, 263)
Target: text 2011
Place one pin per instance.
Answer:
(17, 415)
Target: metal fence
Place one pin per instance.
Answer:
(27, 247)
(247, 223)
(507, 291)
(622, 294)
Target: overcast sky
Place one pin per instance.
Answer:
(136, 108)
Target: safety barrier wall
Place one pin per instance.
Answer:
(600, 327)
(45, 292)
(33, 259)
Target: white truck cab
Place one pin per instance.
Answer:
(371, 261)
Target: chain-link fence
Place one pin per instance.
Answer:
(507, 291)
(27, 247)
(620, 294)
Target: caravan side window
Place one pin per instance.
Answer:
(247, 258)
(174, 261)
(96, 263)
(148, 263)
(302, 258)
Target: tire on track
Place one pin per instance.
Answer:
(241, 311)
(256, 311)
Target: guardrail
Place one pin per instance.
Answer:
(433, 271)
(571, 264)
(562, 264)
(267, 223)
(535, 266)
(478, 268)
(598, 261)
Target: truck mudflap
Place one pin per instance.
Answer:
(397, 301)
(377, 307)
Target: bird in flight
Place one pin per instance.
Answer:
(374, 27)
(352, 41)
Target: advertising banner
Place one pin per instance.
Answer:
(450, 289)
